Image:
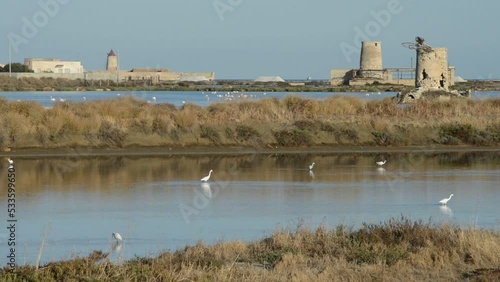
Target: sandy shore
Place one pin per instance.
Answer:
(168, 151)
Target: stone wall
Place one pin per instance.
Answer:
(340, 76)
(122, 76)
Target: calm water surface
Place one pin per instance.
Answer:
(159, 203)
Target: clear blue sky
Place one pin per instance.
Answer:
(250, 38)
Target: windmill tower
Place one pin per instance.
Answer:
(371, 56)
(112, 63)
(432, 71)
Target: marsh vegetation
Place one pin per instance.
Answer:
(269, 123)
(396, 250)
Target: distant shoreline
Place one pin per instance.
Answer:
(8, 84)
(234, 150)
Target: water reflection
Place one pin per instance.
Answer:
(381, 171)
(445, 210)
(160, 203)
(207, 191)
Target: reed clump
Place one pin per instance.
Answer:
(291, 122)
(397, 250)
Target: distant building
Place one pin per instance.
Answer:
(371, 70)
(269, 79)
(53, 66)
(112, 63)
(152, 75)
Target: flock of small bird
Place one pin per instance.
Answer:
(311, 166)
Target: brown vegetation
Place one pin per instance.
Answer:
(397, 250)
(291, 122)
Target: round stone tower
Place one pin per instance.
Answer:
(371, 56)
(432, 69)
(112, 63)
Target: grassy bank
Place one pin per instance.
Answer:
(397, 250)
(269, 123)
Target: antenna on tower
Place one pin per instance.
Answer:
(418, 45)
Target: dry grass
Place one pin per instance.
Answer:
(396, 250)
(293, 121)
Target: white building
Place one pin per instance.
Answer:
(53, 66)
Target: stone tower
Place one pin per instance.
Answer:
(432, 69)
(112, 63)
(371, 56)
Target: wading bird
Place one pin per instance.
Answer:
(11, 162)
(206, 178)
(311, 166)
(117, 237)
(445, 200)
(381, 163)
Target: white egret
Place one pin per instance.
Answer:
(52, 99)
(311, 166)
(445, 200)
(154, 98)
(206, 178)
(381, 163)
(117, 237)
(61, 99)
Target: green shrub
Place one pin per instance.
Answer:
(349, 134)
(294, 137)
(384, 138)
(160, 126)
(245, 132)
(308, 125)
(229, 133)
(42, 135)
(493, 132)
(451, 134)
(111, 134)
(209, 133)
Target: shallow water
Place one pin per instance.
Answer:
(177, 98)
(201, 98)
(159, 203)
